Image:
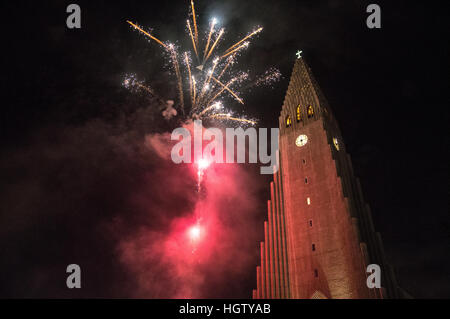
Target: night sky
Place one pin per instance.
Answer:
(78, 184)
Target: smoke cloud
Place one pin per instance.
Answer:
(106, 196)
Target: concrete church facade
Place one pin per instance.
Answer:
(319, 237)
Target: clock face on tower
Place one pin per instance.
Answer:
(301, 140)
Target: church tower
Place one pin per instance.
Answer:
(319, 236)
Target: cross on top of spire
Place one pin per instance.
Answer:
(299, 54)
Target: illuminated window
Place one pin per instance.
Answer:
(336, 143)
(299, 114)
(310, 111)
(308, 200)
(313, 247)
(288, 121)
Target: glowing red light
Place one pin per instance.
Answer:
(194, 232)
(203, 164)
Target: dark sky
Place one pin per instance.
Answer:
(72, 158)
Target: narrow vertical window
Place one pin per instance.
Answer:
(316, 273)
(336, 143)
(308, 201)
(310, 111)
(306, 180)
(310, 223)
(288, 121)
(313, 247)
(299, 113)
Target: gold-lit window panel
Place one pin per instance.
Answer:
(288, 121)
(310, 111)
(299, 113)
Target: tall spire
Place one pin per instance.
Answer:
(319, 237)
(304, 101)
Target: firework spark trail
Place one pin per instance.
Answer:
(223, 116)
(194, 93)
(245, 38)
(174, 57)
(130, 82)
(213, 22)
(216, 105)
(229, 90)
(229, 62)
(213, 86)
(195, 22)
(146, 88)
(192, 38)
(202, 165)
(224, 87)
(147, 34)
(206, 86)
(190, 75)
(214, 45)
(270, 76)
(244, 45)
(211, 72)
